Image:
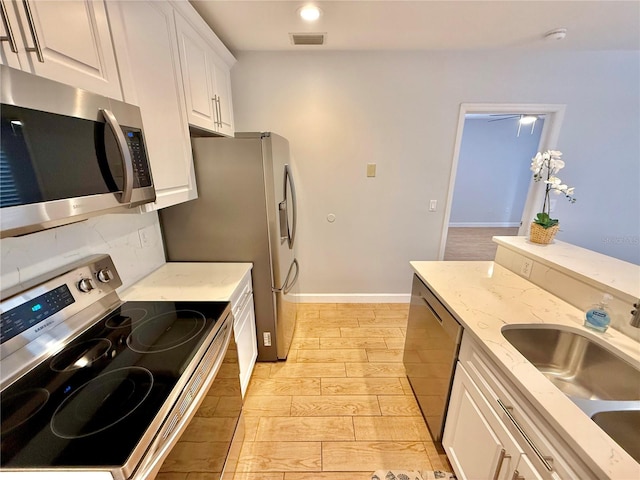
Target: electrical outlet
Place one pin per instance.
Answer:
(266, 337)
(525, 268)
(144, 234)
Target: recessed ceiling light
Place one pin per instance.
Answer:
(310, 13)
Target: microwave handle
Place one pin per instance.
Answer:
(127, 162)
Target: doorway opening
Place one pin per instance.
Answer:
(491, 190)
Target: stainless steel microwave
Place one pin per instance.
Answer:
(66, 155)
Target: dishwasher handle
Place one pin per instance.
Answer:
(433, 312)
(450, 325)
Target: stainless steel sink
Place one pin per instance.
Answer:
(576, 364)
(603, 384)
(623, 427)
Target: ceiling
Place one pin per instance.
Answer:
(427, 24)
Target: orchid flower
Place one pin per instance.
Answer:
(545, 166)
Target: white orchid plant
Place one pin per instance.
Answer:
(545, 166)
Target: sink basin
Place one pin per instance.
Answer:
(623, 427)
(575, 363)
(602, 384)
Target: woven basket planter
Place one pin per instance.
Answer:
(539, 234)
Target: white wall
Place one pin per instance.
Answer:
(493, 174)
(38, 253)
(342, 110)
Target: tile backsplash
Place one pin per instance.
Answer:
(133, 240)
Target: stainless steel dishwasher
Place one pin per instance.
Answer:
(430, 355)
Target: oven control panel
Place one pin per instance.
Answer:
(39, 318)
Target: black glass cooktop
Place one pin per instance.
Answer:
(91, 403)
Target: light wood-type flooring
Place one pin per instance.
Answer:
(340, 406)
(474, 243)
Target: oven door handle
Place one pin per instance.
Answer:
(125, 154)
(172, 428)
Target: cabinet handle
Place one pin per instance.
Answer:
(34, 34)
(544, 459)
(517, 476)
(503, 455)
(214, 103)
(7, 26)
(218, 116)
(218, 111)
(433, 312)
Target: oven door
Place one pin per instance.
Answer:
(202, 434)
(66, 154)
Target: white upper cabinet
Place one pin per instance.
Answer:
(66, 41)
(205, 74)
(149, 38)
(222, 82)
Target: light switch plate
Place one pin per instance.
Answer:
(371, 169)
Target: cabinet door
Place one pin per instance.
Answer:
(74, 40)
(10, 33)
(222, 85)
(197, 75)
(150, 34)
(526, 471)
(247, 343)
(477, 443)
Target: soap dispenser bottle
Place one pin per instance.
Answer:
(597, 317)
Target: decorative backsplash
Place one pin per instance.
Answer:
(134, 241)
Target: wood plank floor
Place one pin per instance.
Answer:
(474, 243)
(340, 406)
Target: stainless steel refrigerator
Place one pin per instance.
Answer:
(245, 212)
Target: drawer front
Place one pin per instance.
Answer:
(240, 296)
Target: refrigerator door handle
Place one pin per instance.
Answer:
(282, 211)
(287, 285)
(288, 231)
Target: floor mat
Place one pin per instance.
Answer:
(412, 475)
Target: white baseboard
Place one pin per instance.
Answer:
(483, 224)
(353, 297)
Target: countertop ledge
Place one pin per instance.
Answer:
(189, 281)
(484, 297)
(593, 268)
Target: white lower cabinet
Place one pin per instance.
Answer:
(477, 442)
(244, 329)
(493, 433)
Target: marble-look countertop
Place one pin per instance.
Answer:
(188, 281)
(484, 296)
(591, 267)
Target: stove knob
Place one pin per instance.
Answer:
(105, 275)
(86, 285)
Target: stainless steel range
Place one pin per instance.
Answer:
(100, 387)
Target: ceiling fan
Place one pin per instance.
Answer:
(525, 119)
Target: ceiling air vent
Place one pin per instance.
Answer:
(307, 38)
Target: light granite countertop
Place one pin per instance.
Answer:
(484, 297)
(189, 281)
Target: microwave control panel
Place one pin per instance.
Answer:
(141, 170)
